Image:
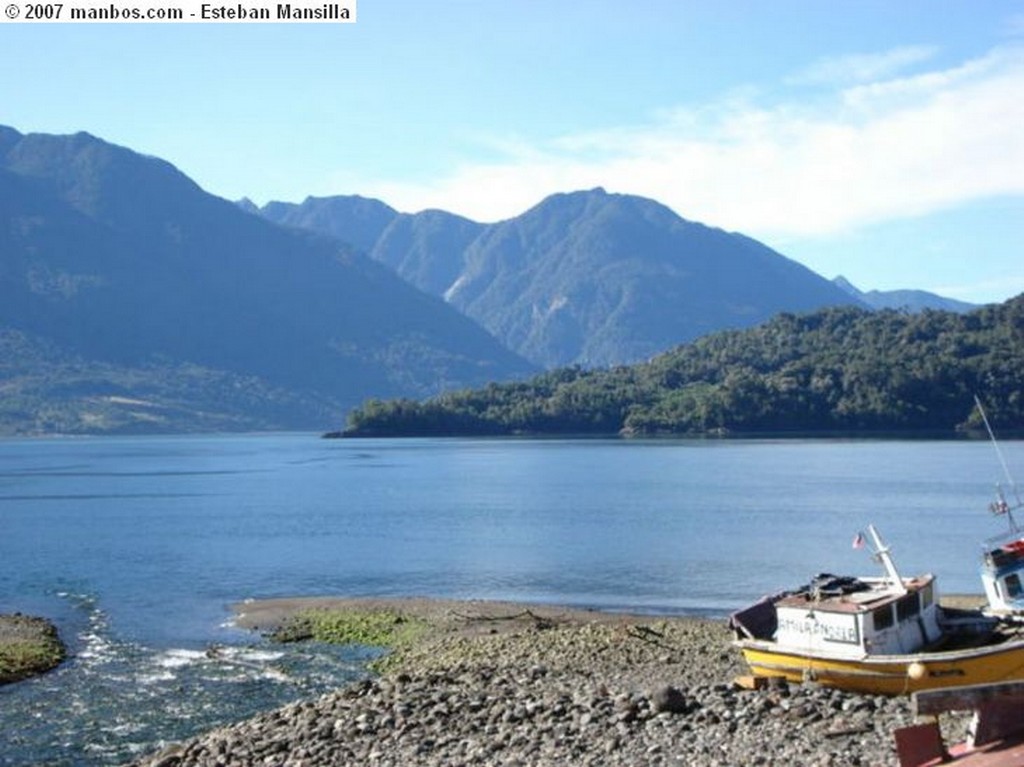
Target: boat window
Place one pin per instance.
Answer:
(926, 596)
(1013, 586)
(907, 607)
(883, 618)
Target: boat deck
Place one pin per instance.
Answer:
(873, 594)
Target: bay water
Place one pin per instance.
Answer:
(137, 546)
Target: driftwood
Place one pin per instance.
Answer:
(649, 635)
(539, 621)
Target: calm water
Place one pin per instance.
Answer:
(137, 546)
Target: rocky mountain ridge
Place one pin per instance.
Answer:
(586, 277)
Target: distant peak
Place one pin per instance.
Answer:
(346, 200)
(581, 197)
(8, 134)
(579, 194)
(844, 284)
(597, 191)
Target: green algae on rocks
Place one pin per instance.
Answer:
(28, 646)
(372, 629)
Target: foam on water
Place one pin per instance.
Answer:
(178, 658)
(255, 656)
(116, 699)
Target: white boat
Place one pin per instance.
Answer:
(1002, 561)
(1002, 568)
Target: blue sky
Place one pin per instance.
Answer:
(879, 140)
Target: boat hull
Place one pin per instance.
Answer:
(889, 674)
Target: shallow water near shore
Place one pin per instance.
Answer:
(117, 698)
(136, 547)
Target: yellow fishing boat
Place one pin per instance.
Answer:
(884, 635)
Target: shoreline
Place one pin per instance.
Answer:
(508, 683)
(260, 614)
(267, 615)
(455, 633)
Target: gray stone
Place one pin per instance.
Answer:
(669, 699)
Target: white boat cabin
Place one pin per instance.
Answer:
(1002, 574)
(849, 617)
(853, 617)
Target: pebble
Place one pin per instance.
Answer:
(567, 695)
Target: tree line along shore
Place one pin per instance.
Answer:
(838, 370)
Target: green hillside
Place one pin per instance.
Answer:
(834, 370)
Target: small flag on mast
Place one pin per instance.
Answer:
(858, 541)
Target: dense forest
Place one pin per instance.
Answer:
(836, 370)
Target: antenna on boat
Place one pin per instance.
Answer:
(1001, 506)
(881, 554)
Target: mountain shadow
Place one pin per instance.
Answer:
(130, 299)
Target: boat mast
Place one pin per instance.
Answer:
(882, 555)
(1001, 506)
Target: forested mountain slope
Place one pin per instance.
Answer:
(587, 277)
(834, 370)
(132, 300)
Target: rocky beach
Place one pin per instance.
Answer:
(486, 683)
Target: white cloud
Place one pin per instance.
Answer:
(873, 152)
(863, 67)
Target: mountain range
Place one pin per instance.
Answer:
(587, 278)
(132, 300)
(906, 300)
